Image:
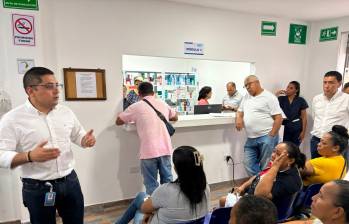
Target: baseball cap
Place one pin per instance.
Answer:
(139, 78)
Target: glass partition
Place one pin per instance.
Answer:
(177, 81)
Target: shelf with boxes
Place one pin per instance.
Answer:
(178, 89)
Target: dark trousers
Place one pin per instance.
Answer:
(69, 200)
(290, 136)
(314, 141)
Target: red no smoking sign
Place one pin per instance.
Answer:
(23, 30)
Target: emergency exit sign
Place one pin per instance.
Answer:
(328, 34)
(21, 4)
(268, 28)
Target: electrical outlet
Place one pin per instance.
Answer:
(229, 159)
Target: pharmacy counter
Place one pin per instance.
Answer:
(197, 120)
(214, 135)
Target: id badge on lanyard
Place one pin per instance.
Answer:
(50, 197)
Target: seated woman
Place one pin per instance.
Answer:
(330, 205)
(187, 198)
(274, 181)
(331, 165)
(205, 94)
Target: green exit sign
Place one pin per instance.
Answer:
(268, 28)
(328, 34)
(21, 4)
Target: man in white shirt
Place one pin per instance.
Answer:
(36, 137)
(328, 108)
(261, 115)
(233, 99)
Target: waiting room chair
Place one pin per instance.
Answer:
(220, 216)
(305, 195)
(285, 207)
(309, 193)
(303, 201)
(196, 221)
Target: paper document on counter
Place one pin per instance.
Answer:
(222, 114)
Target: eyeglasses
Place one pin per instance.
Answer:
(50, 86)
(248, 84)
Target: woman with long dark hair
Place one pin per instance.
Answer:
(187, 198)
(205, 94)
(294, 108)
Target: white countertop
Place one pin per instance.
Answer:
(197, 120)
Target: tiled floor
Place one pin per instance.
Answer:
(108, 214)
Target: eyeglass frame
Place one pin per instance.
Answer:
(50, 86)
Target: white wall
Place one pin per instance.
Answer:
(322, 56)
(95, 34)
(11, 82)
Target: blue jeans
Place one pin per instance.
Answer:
(314, 141)
(149, 169)
(133, 211)
(258, 153)
(69, 200)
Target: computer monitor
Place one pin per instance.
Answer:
(209, 108)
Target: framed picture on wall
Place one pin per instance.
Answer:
(84, 84)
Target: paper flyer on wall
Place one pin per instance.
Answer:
(86, 85)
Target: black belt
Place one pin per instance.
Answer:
(316, 138)
(58, 180)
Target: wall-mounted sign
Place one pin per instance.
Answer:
(21, 4)
(193, 48)
(268, 28)
(23, 30)
(328, 34)
(24, 65)
(298, 34)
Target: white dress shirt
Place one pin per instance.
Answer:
(327, 113)
(24, 127)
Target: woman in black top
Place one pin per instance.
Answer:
(280, 180)
(294, 108)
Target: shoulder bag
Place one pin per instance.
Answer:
(171, 130)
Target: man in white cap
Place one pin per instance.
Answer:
(133, 96)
